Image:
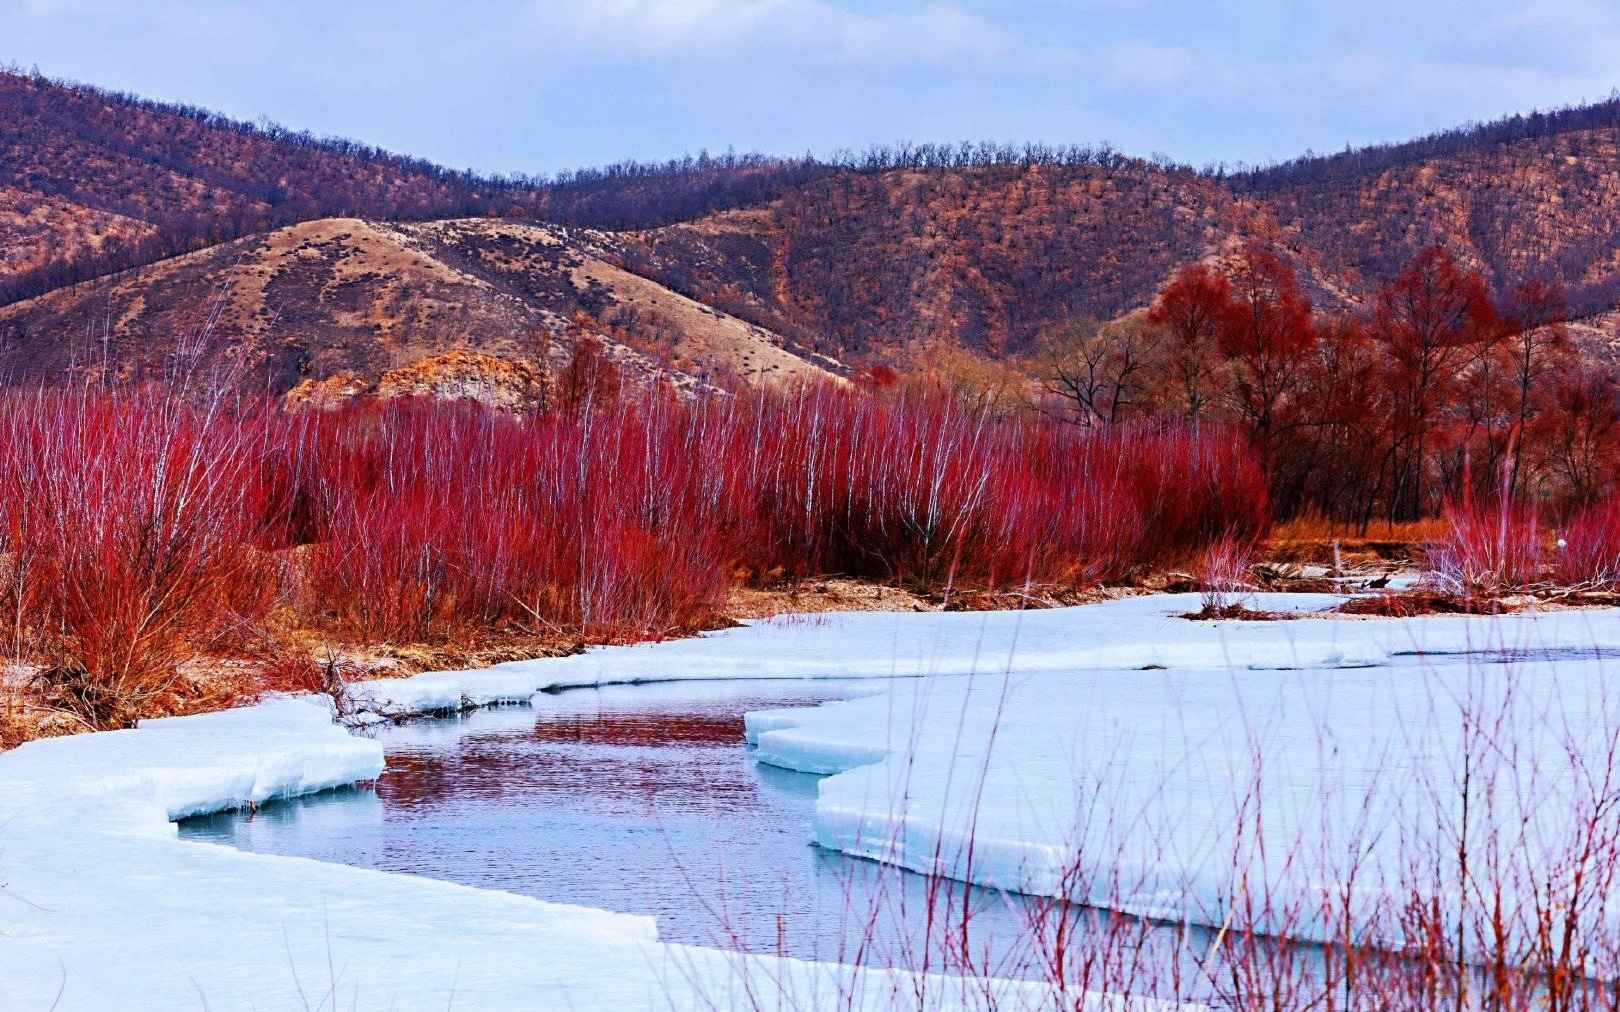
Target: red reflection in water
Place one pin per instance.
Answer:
(645, 730)
(615, 755)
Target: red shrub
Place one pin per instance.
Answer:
(926, 489)
(1490, 550)
(127, 528)
(435, 518)
(137, 532)
(1589, 548)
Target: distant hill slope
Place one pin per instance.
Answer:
(354, 299)
(86, 173)
(987, 256)
(871, 257)
(1533, 206)
(93, 181)
(984, 257)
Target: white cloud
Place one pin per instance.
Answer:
(814, 29)
(1143, 63)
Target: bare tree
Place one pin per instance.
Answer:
(1099, 373)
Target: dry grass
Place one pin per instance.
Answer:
(747, 601)
(25, 714)
(1420, 601)
(1317, 539)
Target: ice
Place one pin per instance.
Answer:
(1112, 752)
(438, 692)
(103, 907)
(1118, 733)
(184, 766)
(1134, 633)
(1319, 753)
(1139, 632)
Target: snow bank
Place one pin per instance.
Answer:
(102, 907)
(1277, 760)
(169, 769)
(439, 692)
(1133, 633)
(1117, 732)
(1115, 752)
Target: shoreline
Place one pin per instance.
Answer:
(101, 898)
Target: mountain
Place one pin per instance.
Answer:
(129, 226)
(351, 300)
(93, 181)
(92, 175)
(862, 263)
(986, 256)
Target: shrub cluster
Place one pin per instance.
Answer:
(138, 532)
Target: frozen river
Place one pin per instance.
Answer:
(1392, 783)
(638, 799)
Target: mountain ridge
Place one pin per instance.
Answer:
(352, 299)
(872, 257)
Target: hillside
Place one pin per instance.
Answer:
(93, 181)
(987, 256)
(1545, 206)
(859, 263)
(345, 260)
(354, 300)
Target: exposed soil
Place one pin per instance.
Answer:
(1240, 612)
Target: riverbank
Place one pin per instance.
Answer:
(100, 901)
(293, 659)
(281, 653)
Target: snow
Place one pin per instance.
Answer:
(1132, 633)
(1275, 759)
(1115, 752)
(102, 906)
(1118, 736)
(171, 768)
(439, 692)
(1105, 752)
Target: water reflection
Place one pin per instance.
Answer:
(641, 799)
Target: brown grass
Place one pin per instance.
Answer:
(24, 715)
(1420, 601)
(749, 601)
(1314, 538)
(279, 655)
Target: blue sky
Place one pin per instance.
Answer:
(541, 85)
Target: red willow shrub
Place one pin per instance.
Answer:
(1589, 547)
(1490, 549)
(136, 531)
(431, 518)
(126, 525)
(925, 489)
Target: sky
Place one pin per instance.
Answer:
(536, 86)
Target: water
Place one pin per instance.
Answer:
(646, 800)
(639, 799)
